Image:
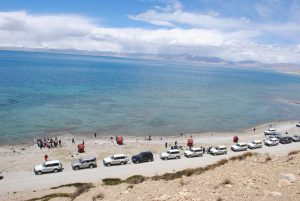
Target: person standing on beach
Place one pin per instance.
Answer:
(73, 140)
(203, 150)
(46, 157)
(166, 145)
(95, 135)
(254, 129)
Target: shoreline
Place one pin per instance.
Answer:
(90, 135)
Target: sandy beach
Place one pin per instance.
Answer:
(18, 161)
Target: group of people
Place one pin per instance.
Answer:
(47, 142)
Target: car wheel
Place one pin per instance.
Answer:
(189, 156)
(137, 162)
(76, 168)
(108, 164)
(149, 160)
(39, 172)
(122, 163)
(178, 157)
(165, 158)
(91, 166)
(55, 170)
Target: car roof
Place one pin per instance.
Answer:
(173, 150)
(272, 129)
(52, 161)
(196, 148)
(222, 146)
(242, 143)
(146, 152)
(257, 141)
(88, 158)
(119, 155)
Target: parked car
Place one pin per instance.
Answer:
(1, 176)
(296, 138)
(255, 144)
(84, 162)
(170, 154)
(117, 159)
(239, 147)
(270, 131)
(48, 166)
(194, 152)
(272, 142)
(298, 124)
(276, 135)
(218, 150)
(145, 156)
(286, 140)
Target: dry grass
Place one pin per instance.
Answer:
(135, 179)
(130, 186)
(219, 199)
(112, 181)
(294, 152)
(99, 196)
(80, 189)
(268, 158)
(51, 196)
(226, 181)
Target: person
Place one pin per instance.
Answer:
(181, 134)
(203, 150)
(149, 138)
(59, 142)
(35, 140)
(82, 141)
(176, 143)
(254, 130)
(95, 135)
(166, 145)
(286, 133)
(46, 157)
(73, 140)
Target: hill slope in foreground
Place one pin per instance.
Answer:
(248, 177)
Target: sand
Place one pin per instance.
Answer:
(17, 161)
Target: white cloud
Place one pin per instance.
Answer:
(21, 29)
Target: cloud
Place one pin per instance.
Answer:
(20, 29)
(173, 15)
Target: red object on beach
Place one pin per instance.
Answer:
(190, 142)
(235, 139)
(120, 140)
(80, 148)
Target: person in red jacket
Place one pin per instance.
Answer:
(46, 157)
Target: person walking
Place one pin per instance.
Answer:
(46, 157)
(95, 135)
(73, 140)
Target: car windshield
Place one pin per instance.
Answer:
(44, 165)
(112, 157)
(168, 152)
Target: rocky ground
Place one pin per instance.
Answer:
(258, 177)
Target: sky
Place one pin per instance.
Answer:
(236, 30)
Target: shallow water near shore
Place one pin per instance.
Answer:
(42, 93)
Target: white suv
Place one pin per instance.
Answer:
(270, 131)
(170, 154)
(272, 142)
(48, 166)
(218, 150)
(117, 159)
(255, 144)
(193, 152)
(239, 147)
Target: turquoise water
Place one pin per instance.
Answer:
(43, 93)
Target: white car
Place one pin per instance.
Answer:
(218, 150)
(170, 154)
(298, 124)
(255, 144)
(270, 131)
(194, 152)
(117, 159)
(272, 142)
(239, 147)
(48, 166)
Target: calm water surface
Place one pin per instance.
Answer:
(42, 93)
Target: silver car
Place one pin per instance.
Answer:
(48, 166)
(84, 162)
(117, 159)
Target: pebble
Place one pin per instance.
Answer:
(283, 183)
(290, 177)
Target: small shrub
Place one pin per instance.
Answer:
(112, 181)
(136, 179)
(130, 186)
(294, 152)
(226, 181)
(268, 158)
(99, 196)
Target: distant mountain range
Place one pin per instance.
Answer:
(187, 57)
